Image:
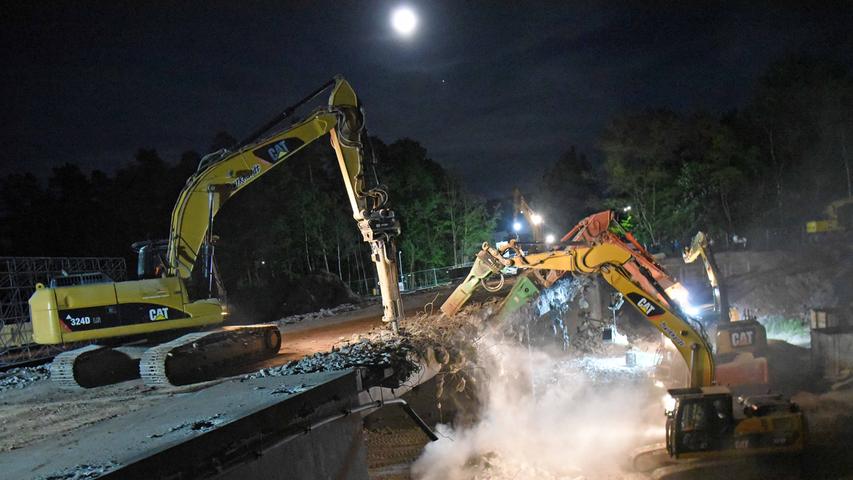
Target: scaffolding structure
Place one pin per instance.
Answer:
(18, 279)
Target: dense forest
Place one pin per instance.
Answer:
(762, 170)
(294, 221)
(768, 166)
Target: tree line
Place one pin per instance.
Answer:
(296, 220)
(769, 166)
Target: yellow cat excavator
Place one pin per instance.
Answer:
(734, 335)
(702, 430)
(177, 291)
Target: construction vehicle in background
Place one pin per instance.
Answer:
(838, 217)
(177, 291)
(534, 220)
(734, 335)
(702, 430)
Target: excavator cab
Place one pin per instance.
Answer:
(701, 420)
(150, 260)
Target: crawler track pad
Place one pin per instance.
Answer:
(198, 357)
(93, 366)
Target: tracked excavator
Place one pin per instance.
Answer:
(702, 430)
(165, 327)
(735, 337)
(838, 218)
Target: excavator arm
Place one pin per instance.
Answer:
(609, 261)
(222, 174)
(700, 247)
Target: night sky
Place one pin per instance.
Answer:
(494, 90)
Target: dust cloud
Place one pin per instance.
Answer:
(547, 416)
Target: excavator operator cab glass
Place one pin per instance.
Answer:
(150, 258)
(702, 424)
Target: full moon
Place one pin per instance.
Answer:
(404, 21)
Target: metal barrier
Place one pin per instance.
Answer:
(18, 278)
(417, 280)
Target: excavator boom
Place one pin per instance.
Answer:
(700, 247)
(223, 174)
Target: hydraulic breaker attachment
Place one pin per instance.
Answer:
(485, 264)
(521, 293)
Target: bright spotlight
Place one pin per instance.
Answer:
(404, 21)
(677, 292)
(516, 226)
(690, 309)
(549, 238)
(668, 403)
(681, 296)
(536, 219)
(626, 209)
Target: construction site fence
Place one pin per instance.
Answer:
(18, 279)
(417, 280)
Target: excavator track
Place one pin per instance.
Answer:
(654, 463)
(202, 356)
(94, 366)
(191, 358)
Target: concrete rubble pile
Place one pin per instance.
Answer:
(324, 312)
(22, 377)
(82, 472)
(560, 315)
(394, 353)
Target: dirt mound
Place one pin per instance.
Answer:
(287, 296)
(816, 278)
(314, 292)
